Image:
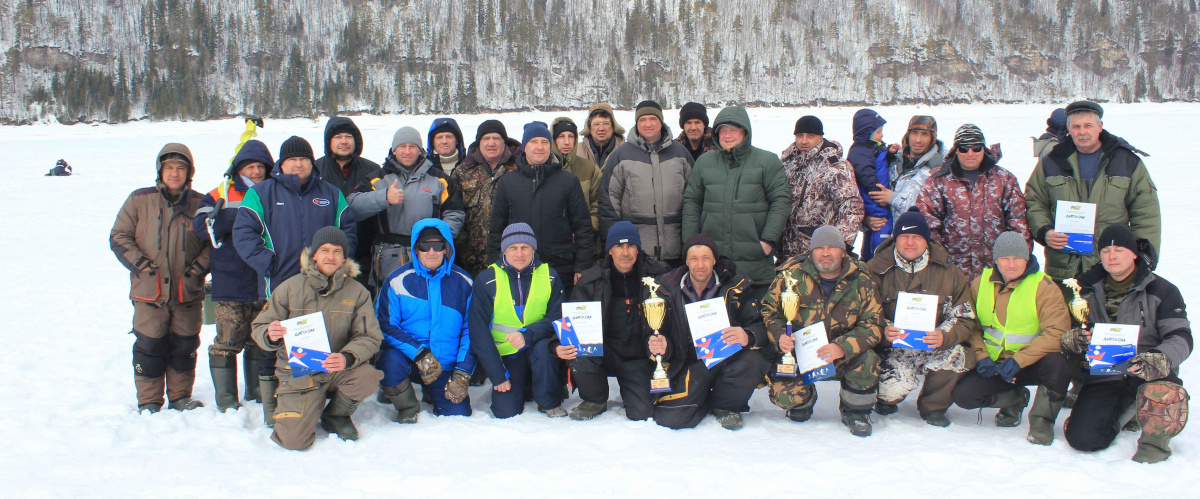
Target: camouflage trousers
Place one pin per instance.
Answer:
(859, 376)
(233, 327)
(942, 369)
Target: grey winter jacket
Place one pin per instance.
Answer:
(428, 193)
(906, 183)
(644, 184)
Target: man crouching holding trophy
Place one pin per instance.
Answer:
(836, 295)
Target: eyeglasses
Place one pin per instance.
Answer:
(974, 148)
(601, 123)
(424, 246)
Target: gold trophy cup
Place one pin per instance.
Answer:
(789, 301)
(1079, 306)
(655, 309)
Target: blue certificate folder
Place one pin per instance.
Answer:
(1104, 359)
(304, 362)
(914, 340)
(1079, 244)
(566, 336)
(712, 350)
(824, 372)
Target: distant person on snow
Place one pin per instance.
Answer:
(61, 169)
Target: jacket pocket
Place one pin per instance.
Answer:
(145, 287)
(191, 289)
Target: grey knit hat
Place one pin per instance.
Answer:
(517, 233)
(1010, 244)
(406, 135)
(827, 235)
(330, 235)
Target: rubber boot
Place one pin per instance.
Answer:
(336, 417)
(250, 372)
(1042, 416)
(1012, 404)
(936, 418)
(266, 388)
(224, 375)
(404, 399)
(1152, 450)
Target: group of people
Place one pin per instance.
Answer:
(450, 265)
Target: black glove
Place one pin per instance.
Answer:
(429, 366)
(986, 367)
(1150, 366)
(456, 388)
(1008, 370)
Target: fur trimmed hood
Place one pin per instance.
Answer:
(350, 267)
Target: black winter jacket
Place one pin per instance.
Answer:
(550, 200)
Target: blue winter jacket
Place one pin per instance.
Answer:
(421, 310)
(232, 279)
(278, 218)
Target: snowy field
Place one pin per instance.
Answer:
(71, 427)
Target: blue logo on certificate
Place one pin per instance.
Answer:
(824, 372)
(1079, 244)
(712, 350)
(567, 337)
(914, 340)
(1103, 359)
(304, 362)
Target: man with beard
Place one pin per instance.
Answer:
(921, 154)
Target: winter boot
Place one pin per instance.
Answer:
(587, 410)
(885, 409)
(185, 404)
(179, 385)
(336, 417)
(730, 420)
(1152, 450)
(1042, 415)
(937, 418)
(1162, 412)
(266, 388)
(553, 412)
(250, 372)
(224, 376)
(859, 423)
(1012, 405)
(149, 408)
(1072, 394)
(149, 392)
(404, 399)
(803, 412)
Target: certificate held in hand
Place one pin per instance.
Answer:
(812, 367)
(707, 319)
(1078, 222)
(307, 342)
(582, 327)
(916, 316)
(1111, 345)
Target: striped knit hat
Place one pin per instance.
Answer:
(969, 135)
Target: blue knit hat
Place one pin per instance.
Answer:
(518, 233)
(623, 232)
(912, 222)
(535, 129)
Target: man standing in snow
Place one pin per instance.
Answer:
(920, 154)
(343, 167)
(822, 186)
(601, 135)
(696, 136)
(153, 238)
(492, 156)
(446, 147)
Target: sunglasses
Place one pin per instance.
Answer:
(974, 148)
(424, 246)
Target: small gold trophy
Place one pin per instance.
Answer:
(789, 301)
(655, 309)
(1079, 306)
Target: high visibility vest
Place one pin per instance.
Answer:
(505, 319)
(1022, 324)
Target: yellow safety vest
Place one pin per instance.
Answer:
(1021, 317)
(505, 319)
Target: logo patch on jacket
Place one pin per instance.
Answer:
(321, 202)
(427, 189)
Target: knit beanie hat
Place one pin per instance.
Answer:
(1057, 122)
(535, 129)
(648, 107)
(912, 222)
(969, 135)
(295, 147)
(330, 235)
(1117, 235)
(491, 126)
(623, 232)
(1010, 244)
(406, 135)
(700, 240)
(827, 235)
(518, 233)
(693, 111)
(809, 124)
(566, 125)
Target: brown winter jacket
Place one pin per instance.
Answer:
(585, 143)
(345, 305)
(587, 171)
(477, 183)
(154, 238)
(823, 193)
(1052, 313)
(939, 277)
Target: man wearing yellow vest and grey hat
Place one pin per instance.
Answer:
(514, 303)
(1022, 318)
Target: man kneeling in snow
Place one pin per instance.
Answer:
(325, 284)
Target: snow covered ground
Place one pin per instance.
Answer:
(71, 427)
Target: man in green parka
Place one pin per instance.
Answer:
(739, 196)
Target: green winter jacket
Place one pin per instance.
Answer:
(739, 198)
(1123, 194)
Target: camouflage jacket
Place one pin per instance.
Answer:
(477, 183)
(823, 192)
(966, 217)
(706, 144)
(852, 314)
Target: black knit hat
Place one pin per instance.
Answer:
(912, 222)
(693, 111)
(564, 126)
(330, 235)
(700, 240)
(491, 126)
(1118, 235)
(295, 147)
(809, 124)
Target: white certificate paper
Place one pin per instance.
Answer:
(307, 342)
(1075, 218)
(587, 320)
(808, 341)
(916, 312)
(706, 317)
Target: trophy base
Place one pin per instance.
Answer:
(785, 370)
(660, 385)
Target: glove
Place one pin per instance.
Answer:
(986, 367)
(1008, 370)
(1150, 366)
(1074, 342)
(429, 366)
(456, 388)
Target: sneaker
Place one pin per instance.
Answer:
(937, 418)
(587, 410)
(883, 409)
(730, 420)
(859, 424)
(799, 414)
(554, 412)
(185, 404)
(149, 408)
